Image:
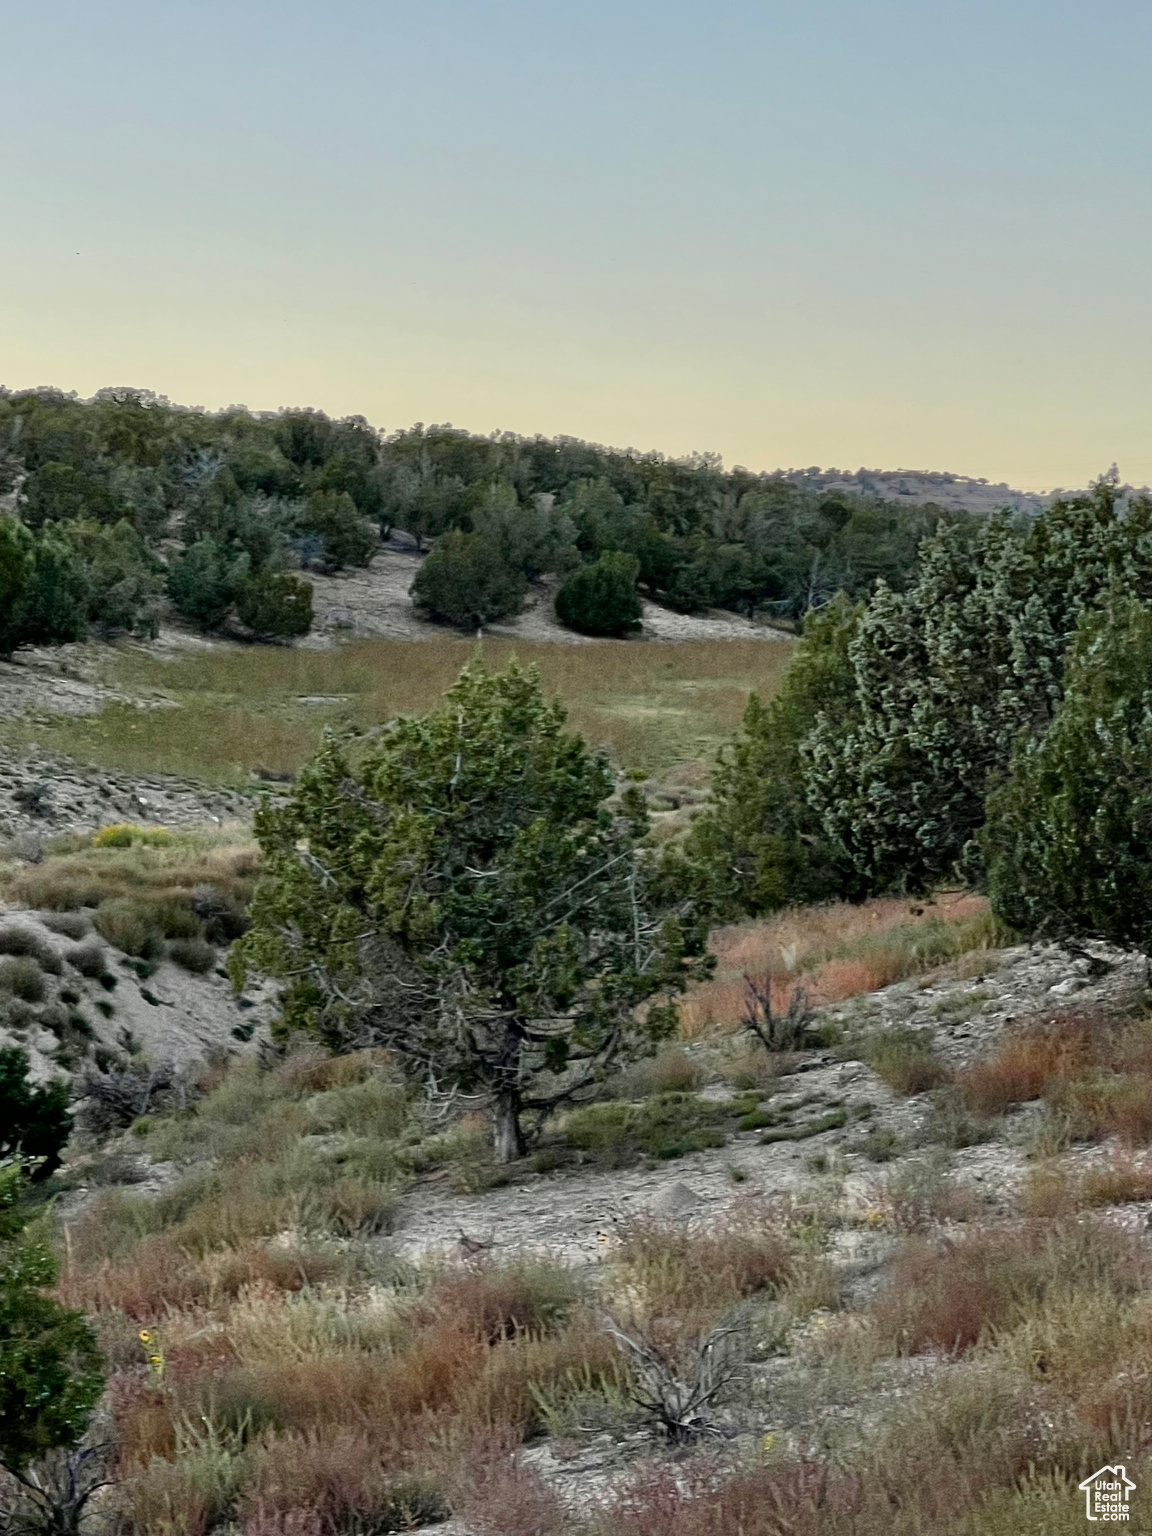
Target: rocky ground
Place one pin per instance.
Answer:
(573, 1215)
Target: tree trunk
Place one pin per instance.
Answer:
(509, 1138)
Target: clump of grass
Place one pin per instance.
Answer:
(838, 951)
(947, 1295)
(1031, 1057)
(88, 957)
(21, 977)
(195, 955)
(69, 925)
(921, 1195)
(670, 1071)
(666, 1126)
(23, 940)
(904, 1058)
(222, 861)
(1054, 1190)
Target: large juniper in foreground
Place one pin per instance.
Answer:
(464, 897)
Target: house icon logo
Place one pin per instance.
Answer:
(1106, 1494)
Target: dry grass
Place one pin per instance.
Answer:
(1053, 1189)
(240, 709)
(836, 952)
(948, 1295)
(77, 874)
(1093, 1068)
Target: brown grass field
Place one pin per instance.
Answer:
(245, 709)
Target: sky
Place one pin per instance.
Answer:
(886, 233)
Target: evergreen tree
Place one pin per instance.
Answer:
(275, 605)
(761, 845)
(948, 673)
(464, 898)
(16, 564)
(35, 1122)
(54, 606)
(601, 598)
(466, 581)
(50, 1368)
(349, 539)
(1068, 837)
(205, 581)
(124, 578)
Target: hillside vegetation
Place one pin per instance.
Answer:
(125, 496)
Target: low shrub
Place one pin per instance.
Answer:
(195, 955)
(20, 976)
(69, 925)
(502, 1301)
(126, 834)
(670, 1071)
(20, 940)
(336, 1477)
(905, 1060)
(130, 924)
(1031, 1057)
(1052, 1190)
(666, 1126)
(664, 1267)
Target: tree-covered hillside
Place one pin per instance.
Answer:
(129, 494)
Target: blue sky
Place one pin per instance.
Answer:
(823, 232)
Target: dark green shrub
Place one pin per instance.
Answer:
(601, 598)
(349, 539)
(124, 578)
(50, 1369)
(275, 604)
(466, 581)
(1069, 830)
(34, 1121)
(15, 571)
(54, 606)
(205, 581)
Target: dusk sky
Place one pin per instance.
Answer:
(893, 233)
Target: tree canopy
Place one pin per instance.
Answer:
(464, 896)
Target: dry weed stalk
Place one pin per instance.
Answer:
(679, 1386)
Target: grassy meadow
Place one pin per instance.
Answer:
(249, 710)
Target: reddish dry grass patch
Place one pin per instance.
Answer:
(1033, 1056)
(947, 1295)
(832, 953)
(161, 1277)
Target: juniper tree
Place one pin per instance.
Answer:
(50, 1369)
(950, 672)
(1068, 836)
(760, 844)
(464, 897)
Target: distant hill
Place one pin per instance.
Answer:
(919, 487)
